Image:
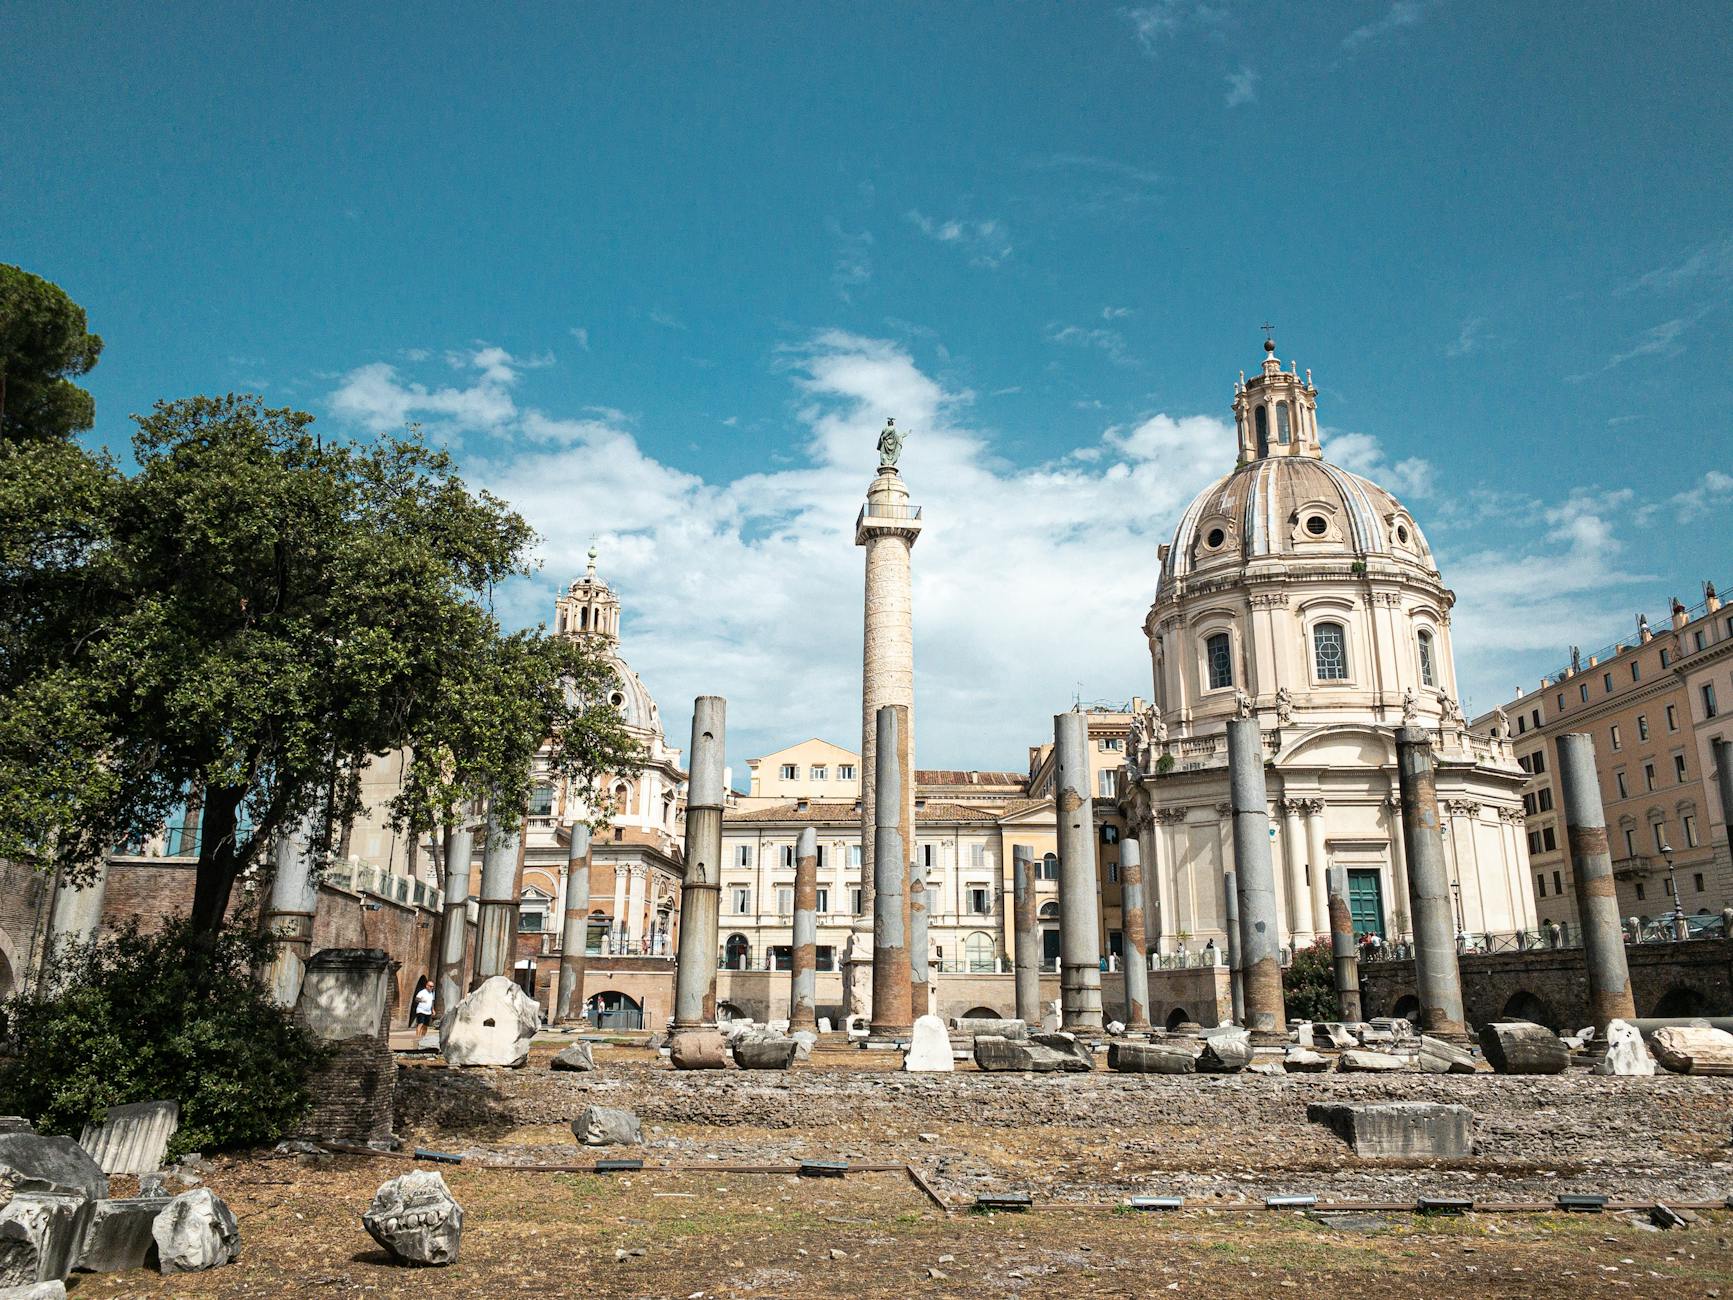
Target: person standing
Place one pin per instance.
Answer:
(422, 1007)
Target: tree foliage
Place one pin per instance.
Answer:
(134, 1018)
(43, 341)
(1309, 983)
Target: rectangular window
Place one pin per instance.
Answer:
(1113, 873)
(1640, 894)
(789, 771)
(1691, 837)
(743, 855)
(820, 862)
(1666, 659)
(980, 900)
(1667, 887)
(1543, 798)
(1560, 701)
(1709, 709)
(926, 855)
(1697, 881)
(854, 901)
(845, 771)
(1533, 843)
(1548, 841)
(784, 901)
(742, 897)
(854, 858)
(1583, 691)
(1539, 885)
(541, 800)
(1679, 768)
(826, 957)
(1672, 717)
(1696, 640)
(1660, 833)
(977, 855)
(1521, 725)
(1636, 671)
(1557, 884)
(531, 922)
(1619, 780)
(822, 905)
(1631, 849)
(1537, 719)
(1607, 680)
(1539, 761)
(1218, 654)
(1528, 804)
(1113, 745)
(1522, 761)
(1648, 776)
(1108, 780)
(786, 853)
(1642, 726)
(820, 774)
(1616, 736)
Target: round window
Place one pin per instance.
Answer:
(1216, 538)
(616, 699)
(1402, 533)
(1317, 525)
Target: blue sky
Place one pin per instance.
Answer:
(658, 273)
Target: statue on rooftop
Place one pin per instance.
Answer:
(890, 445)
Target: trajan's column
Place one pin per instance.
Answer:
(888, 526)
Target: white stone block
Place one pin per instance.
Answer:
(1627, 1054)
(929, 1047)
(494, 1025)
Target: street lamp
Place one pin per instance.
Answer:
(1673, 885)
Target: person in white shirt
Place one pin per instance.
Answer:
(423, 1007)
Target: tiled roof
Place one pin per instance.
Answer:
(839, 811)
(949, 776)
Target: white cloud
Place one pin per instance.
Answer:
(985, 242)
(1242, 87)
(667, 320)
(1115, 313)
(1710, 261)
(1715, 492)
(1402, 13)
(1154, 22)
(1112, 342)
(582, 335)
(1468, 338)
(1363, 454)
(376, 397)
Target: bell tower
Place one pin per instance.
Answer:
(1276, 412)
(589, 608)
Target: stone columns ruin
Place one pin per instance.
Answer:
(454, 928)
(1260, 930)
(1231, 920)
(77, 913)
(1435, 967)
(496, 928)
(701, 889)
(887, 527)
(894, 820)
(1592, 871)
(288, 912)
(1079, 910)
(575, 929)
(1136, 943)
(1347, 960)
(1028, 950)
(803, 993)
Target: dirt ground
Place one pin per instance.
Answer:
(1077, 1144)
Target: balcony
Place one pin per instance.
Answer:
(876, 519)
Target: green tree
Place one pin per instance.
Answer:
(267, 610)
(43, 340)
(1309, 983)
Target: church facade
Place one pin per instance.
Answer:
(1305, 596)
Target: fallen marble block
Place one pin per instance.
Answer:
(132, 1139)
(1358, 1061)
(1402, 1129)
(1303, 1060)
(1066, 1043)
(494, 1025)
(1150, 1058)
(1226, 1050)
(1004, 1055)
(1693, 1049)
(118, 1235)
(29, 1163)
(55, 1290)
(195, 1231)
(1627, 1054)
(765, 1053)
(51, 1225)
(698, 1049)
(1520, 1047)
(970, 1026)
(416, 1218)
(1439, 1057)
(607, 1126)
(806, 1040)
(929, 1048)
(575, 1056)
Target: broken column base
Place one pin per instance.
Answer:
(1400, 1129)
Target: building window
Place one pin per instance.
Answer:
(926, 855)
(854, 900)
(821, 904)
(1607, 680)
(1709, 709)
(1672, 717)
(1557, 884)
(531, 920)
(1619, 780)
(1636, 671)
(1521, 724)
(1113, 745)
(785, 856)
(1261, 418)
(1640, 893)
(1330, 652)
(1659, 829)
(1679, 768)
(845, 771)
(785, 901)
(821, 774)
(1428, 675)
(820, 859)
(1697, 881)
(1583, 691)
(1108, 780)
(738, 952)
(1667, 887)
(1543, 799)
(1539, 885)
(980, 900)
(742, 896)
(977, 855)
(1560, 701)
(542, 800)
(1219, 652)
(1631, 849)
(1648, 776)
(1690, 820)
(743, 855)
(1666, 659)
(1548, 841)
(1642, 726)
(1282, 423)
(1049, 867)
(978, 951)
(790, 771)
(1539, 761)
(1113, 873)
(1696, 640)
(1617, 739)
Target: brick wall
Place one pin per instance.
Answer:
(24, 907)
(1550, 986)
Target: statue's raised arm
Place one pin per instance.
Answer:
(890, 445)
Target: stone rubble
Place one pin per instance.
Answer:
(118, 1235)
(416, 1219)
(929, 1048)
(1439, 1057)
(1693, 1049)
(1627, 1055)
(132, 1139)
(494, 1025)
(1359, 1061)
(602, 1126)
(575, 1056)
(1520, 1047)
(195, 1231)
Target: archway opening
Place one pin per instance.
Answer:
(1680, 1001)
(981, 1013)
(612, 1009)
(728, 1011)
(737, 954)
(1524, 1005)
(1407, 1008)
(1177, 1017)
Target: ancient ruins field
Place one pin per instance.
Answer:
(1077, 1144)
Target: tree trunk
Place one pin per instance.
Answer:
(219, 863)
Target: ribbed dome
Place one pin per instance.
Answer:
(1292, 506)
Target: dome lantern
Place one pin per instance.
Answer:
(1276, 412)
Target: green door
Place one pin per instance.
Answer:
(1366, 902)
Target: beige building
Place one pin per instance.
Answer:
(813, 769)
(1652, 705)
(1304, 596)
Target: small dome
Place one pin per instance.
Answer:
(1294, 507)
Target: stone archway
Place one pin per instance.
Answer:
(1523, 1005)
(1177, 1017)
(1407, 1008)
(1680, 1001)
(981, 1013)
(611, 1009)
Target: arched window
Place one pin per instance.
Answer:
(1282, 422)
(1330, 652)
(1428, 674)
(1049, 866)
(978, 951)
(584, 617)
(738, 953)
(1218, 650)
(1261, 418)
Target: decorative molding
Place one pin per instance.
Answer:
(1224, 809)
(1169, 816)
(1462, 807)
(1269, 599)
